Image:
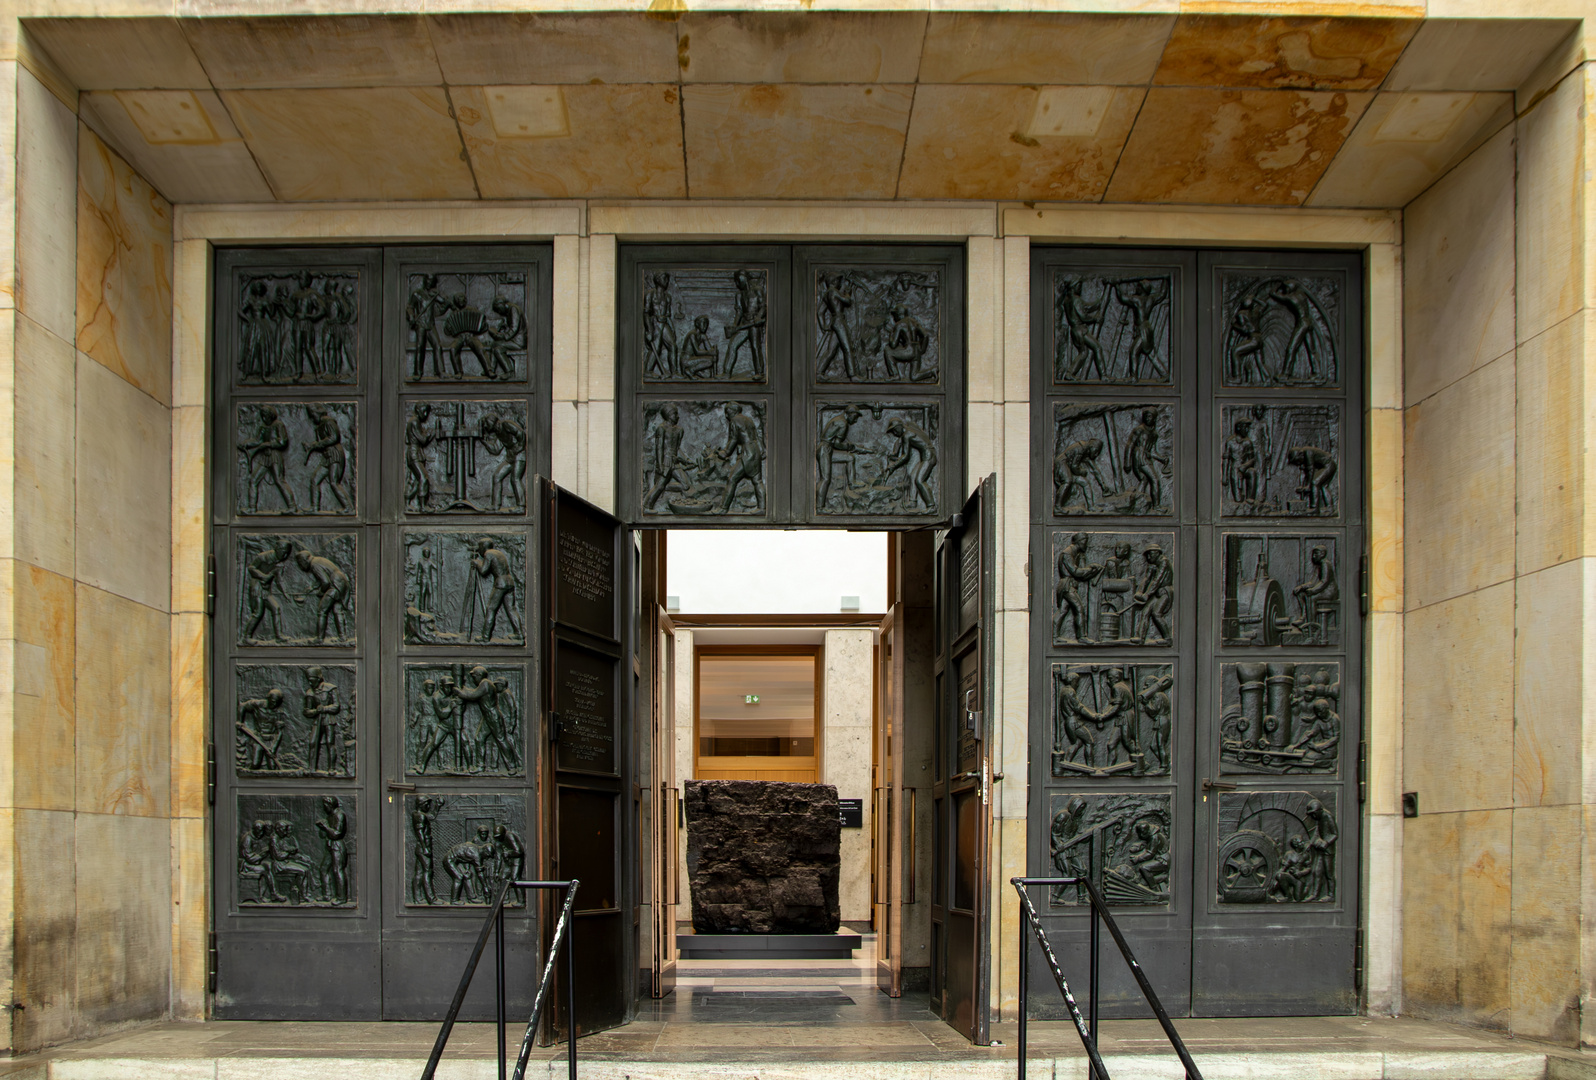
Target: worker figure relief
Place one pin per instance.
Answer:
(1280, 460)
(461, 848)
(1277, 847)
(1112, 328)
(281, 709)
(296, 851)
(876, 458)
(1112, 719)
(876, 325)
(465, 325)
(1112, 588)
(464, 587)
(464, 719)
(297, 327)
(1113, 458)
(1126, 836)
(1281, 718)
(1280, 590)
(1279, 331)
(295, 459)
(465, 456)
(704, 459)
(703, 324)
(296, 589)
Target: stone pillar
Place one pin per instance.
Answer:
(846, 753)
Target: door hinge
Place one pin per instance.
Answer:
(1357, 960)
(210, 773)
(210, 584)
(554, 727)
(1363, 586)
(1363, 772)
(212, 962)
(1030, 581)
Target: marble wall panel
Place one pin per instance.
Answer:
(1203, 145)
(531, 48)
(46, 954)
(1458, 271)
(124, 489)
(117, 54)
(190, 893)
(1475, 54)
(619, 142)
(1457, 876)
(44, 728)
(1548, 697)
(190, 718)
(124, 920)
(1301, 53)
(8, 186)
(379, 143)
(994, 142)
(124, 286)
(1457, 746)
(846, 753)
(788, 142)
(1405, 141)
(189, 539)
(1546, 933)
(1550, 451)
(124, 707)
(1383, 710)
(308, 51)
(202, 161)
(46, 450)
(1551, 279)
(1385, 506)
(800, 47)
(1458, 450)
(1039, 48)
(46, 220)
(191, 294)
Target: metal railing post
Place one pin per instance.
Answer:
(499, 987)
(570, 979)
(1095, 946)
(1025, 984)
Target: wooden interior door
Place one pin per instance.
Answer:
(887, 851)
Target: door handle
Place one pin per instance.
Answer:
(395, 785)
(1217, 785)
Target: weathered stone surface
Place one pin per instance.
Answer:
(762, 856)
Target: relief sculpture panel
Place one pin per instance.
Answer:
(1280, 718)
(1113, 588)
(876, 458)
(704, 457)
(465, 457)
(296, 851)
(1277, 847)
(298, 328)
(876, 326)
(1112, 719)
(296, 588)
(1280, 460)
(705, 325)
(464, 325)
(1113, 458)
(294, 720)
(1280, 590)
(1131, 834)
(296, 458)
(460, 849)
(464, 587)
(1112, 329)
(464, 719)
(1280, 331)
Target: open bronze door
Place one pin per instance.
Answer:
(660, 839)
(962, 789)
(888, 817)
(586, 775)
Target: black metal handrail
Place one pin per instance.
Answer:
(1086, 1029)
(495, 922)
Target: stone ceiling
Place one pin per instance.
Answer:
(1130, 108)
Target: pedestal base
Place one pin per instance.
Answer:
(767, 946)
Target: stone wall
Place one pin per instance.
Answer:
(87, 795)
(1499, 577)
(846, 749)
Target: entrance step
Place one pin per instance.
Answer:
(837, 946)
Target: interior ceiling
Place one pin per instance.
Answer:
(1187, 109)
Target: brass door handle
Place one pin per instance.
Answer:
(1217, 785)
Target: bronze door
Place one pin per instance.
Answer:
(378, 417)
(1196, 551)
(590, 566)
(887, 812)
(962, 779)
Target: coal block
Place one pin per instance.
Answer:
(763, 857)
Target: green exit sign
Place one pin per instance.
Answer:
(750, 699)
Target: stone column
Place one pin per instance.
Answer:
(846, 754)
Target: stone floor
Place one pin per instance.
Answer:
(811, 1020)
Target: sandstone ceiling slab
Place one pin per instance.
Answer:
(535, 49)
(799, 47)
(1304, 54)
(1258, 147)
(121, 54)
(354, 144)
(1016, 142)
(620, 142)
(1476, 54)
(199, 160)
(794, 142)
(251, 54)
(1043, 49)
